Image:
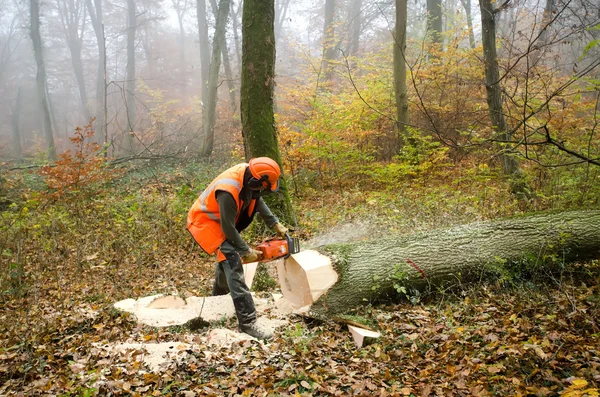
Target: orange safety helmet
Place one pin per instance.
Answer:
(266, 172)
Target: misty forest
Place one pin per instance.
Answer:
(440, 170)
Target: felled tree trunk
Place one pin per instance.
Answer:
(335, 278)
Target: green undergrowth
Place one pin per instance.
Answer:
(65, 260)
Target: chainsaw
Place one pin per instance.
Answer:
(275, 248)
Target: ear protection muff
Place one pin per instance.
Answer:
(257, 184)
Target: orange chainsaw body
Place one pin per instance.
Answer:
(278, 248)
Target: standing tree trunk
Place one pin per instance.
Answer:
(492, 83)
(213, 77)
(229, 75)
(348, 275)
(130, 98)
(402, 115)
(148, 50)
(434, 22)
(467, 6)
(96, 16)
(34, 9)
(72, 16)
(542, 38)
(181, 7)
(356, 19)
(328, 41)
(236, 37)
(226, 62)
(16, 126)
(204, 54)
(258, 80)
(280, 15)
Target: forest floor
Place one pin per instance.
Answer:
(535, 337)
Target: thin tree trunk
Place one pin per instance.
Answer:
(375, 270)
(148, 50)
(130, 97)
(182, 64)
(16, 126)
(543, 34)
(96, 16)
(402, 114)
(492, 82)
(356, 17)
(78, 69)
(36, 38)
(204, 53)
(467, 6)
(258, 81)
(213, 78)
(236, 37)
(226, 63)
(229, 76)
(434, 21)
(328, 41)
(72, 15)
(280, 17)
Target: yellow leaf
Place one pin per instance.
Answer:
(579, 383)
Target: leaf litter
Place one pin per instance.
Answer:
(59, 339)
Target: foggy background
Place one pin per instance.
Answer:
(165, 92)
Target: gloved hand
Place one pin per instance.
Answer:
(252, 256)
(280, 229)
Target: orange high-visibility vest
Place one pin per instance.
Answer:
(204, 220)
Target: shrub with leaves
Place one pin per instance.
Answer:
(79, 171)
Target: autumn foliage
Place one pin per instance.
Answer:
(79, 171)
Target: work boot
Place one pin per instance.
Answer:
(256, 330)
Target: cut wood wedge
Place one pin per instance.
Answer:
(362, 336)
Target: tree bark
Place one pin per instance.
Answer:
(72, 15)
(97, 18)
(204, 53)
(467, 6)
(258, 80)
(148, 50)
(492, 83)
(282, 8)
(328, 41)
(130, 86)
(16, 126)
(356, 18)
(226, 62)
(236, 37)
(181, 7)
(542, 39)
(367, 271)
(402, 115)
(213, 77)
(434, 21)
(34, 9)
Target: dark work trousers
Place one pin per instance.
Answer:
(229, 277)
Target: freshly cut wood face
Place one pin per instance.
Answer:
(166, 302)
(305, 276)
(249, 273)
(360, 335)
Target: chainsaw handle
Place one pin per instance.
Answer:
(293, 245)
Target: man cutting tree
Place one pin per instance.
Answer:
(225, 208)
